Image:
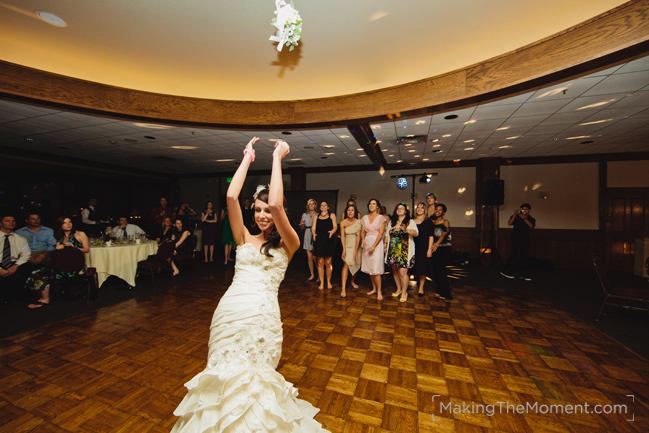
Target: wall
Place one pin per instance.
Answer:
(627, 174)
(571, 189)
(371, 184)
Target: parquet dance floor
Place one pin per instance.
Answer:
(369, 366)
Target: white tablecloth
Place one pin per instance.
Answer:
(119, 260)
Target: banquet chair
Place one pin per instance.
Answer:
(180, 259)
(162, 258)
(623, 295)
(73, 260)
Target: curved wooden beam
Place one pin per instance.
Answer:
(614, 36)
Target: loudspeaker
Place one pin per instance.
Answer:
(494, 192)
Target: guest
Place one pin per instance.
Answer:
(209, 219)
(441, 249)
(40, 239)
(523, 223)
(305, 224)
(185, 214)
(423, 243)
(41, 279)
(351, 240)
(159, 213)
(248, 213)
(183, 240)
(124, 229)
(15, 255)
(166, 233)
(324, 242)
(226, 235)
(401, 250)
(351, 201)
(91, 219)
(431, 200)
(373, 246)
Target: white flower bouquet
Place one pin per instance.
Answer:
(289, 25)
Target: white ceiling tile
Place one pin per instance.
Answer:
(619, 83)
(540, 107)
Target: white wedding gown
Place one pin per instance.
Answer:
(239, 390)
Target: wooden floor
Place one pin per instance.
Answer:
(369, 366)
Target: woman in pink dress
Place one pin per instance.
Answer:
(373, 247)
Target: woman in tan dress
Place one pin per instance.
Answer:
(350, 236)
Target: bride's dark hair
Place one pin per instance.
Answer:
(274, 238)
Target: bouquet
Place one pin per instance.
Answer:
(289, 25)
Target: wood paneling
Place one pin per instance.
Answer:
(612, 37)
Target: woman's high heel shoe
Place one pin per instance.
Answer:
(395, 294)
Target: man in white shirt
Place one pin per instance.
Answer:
(14, 251)
(124, 229)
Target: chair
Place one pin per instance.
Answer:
(165, 251)
(180, 259)
(73, 260)
(626, 294)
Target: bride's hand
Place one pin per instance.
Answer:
(249, 148)
(282, 150)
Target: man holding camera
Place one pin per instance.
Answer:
(523, 223)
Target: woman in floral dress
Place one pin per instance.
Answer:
(401, 249)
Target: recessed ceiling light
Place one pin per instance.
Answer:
(390, 156)
(598, 104)
(376, 126)
(446, 136)
(593, 123)
(435, 140)
(330, 153)
(420, 122)
(451, 116)
(502, 128)
(329, 146)
(152, 126)
(287, 133)
(224, 160)
(457, 160)
(437, 145)
(362, 156)
(469, 141)
(343, 136)
(504, 147)
(470, 121)
(360, 148)
(411, 150)
(513, 138)
(184, 147)
(400, 160)
(577, 137)
(274, 139)
(296, 159)
(425, 159)
(417, 156)
(468, 148)
(52, 19)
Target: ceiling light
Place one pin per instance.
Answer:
(343, 136)
(274, 139)
(469, 141)
(400, 160)
(435, 140)
(329, 146)
(390, 156)
(50, 18)
(504, 147)
(417, 156)
(593, 123)
(330, 153)
(468, 148)
(553, 92)
(425, 159)
(598, 104)
(503, 128)
(457, 160)
(362, 156)
(224, 160)
(296, 159)
(376, 126)
(437, 145)
(461, 190)
(446, 136)
(577, 137)
(513, 138)
(184, 147)
(360, 148)
(420, 122)
(152, 126)
(470, 121)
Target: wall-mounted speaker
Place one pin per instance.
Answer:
(494, 192)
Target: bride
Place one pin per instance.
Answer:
(239, 390)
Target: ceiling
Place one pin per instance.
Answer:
(609, 108)
(220, 49)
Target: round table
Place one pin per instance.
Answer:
(119, 260)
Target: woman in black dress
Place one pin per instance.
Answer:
(441, 249)
(183, 240)
(324, 242)
(166, 232)
(423, 263)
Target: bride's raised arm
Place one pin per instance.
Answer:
(237, 225)
(276, 200)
